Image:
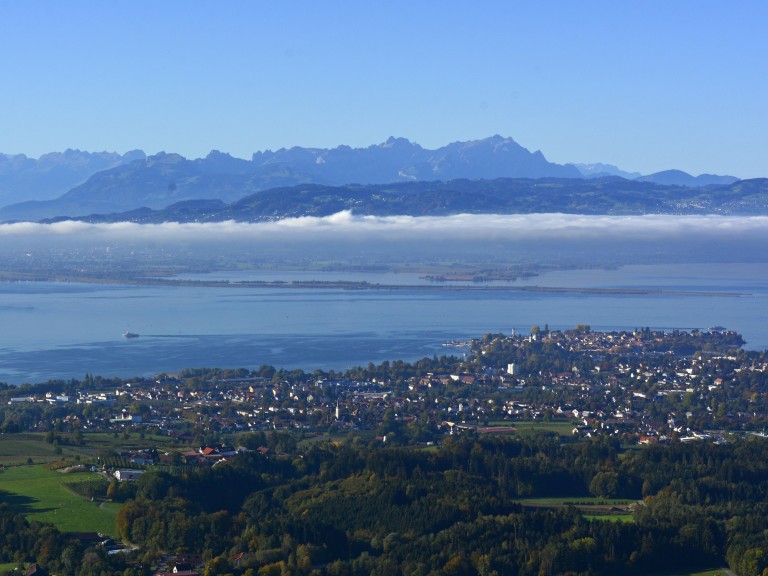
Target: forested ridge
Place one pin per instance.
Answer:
(610, 195)
(462, 508)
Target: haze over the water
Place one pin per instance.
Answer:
(646, 86)
(544, 238)
(378, 228)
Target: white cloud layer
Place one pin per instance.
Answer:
(345, 225)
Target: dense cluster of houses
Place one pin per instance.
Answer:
(622, 383)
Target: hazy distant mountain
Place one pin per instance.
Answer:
(110, 183)
(163, 179)
(741, 197)
(398, 160)
(51, 175)
(680, 178)
(599, 170)
(156, 182)
(667, 177)
(610, 195)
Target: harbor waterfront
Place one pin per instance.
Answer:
(64, 330)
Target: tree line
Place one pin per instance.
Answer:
(353, 508)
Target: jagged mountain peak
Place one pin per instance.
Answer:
(52, 174)
(108, 182)
(166, 177)
(165, 158)
(399, 141)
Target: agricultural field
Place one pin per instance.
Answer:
(610, 517)
(20, 448)
(309, 439)
(531, 427)
(130, 441)
(43, 495)
(593, 508)
(577, 501)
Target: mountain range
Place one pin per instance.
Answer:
(51, 175)
(610, 195)
(76, 184)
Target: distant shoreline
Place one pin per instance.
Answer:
(362, 285)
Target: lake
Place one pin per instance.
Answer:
(65, 330)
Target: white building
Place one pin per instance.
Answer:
(128, 475)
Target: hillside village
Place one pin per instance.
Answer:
(641, 386)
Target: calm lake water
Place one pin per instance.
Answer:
(58, 330)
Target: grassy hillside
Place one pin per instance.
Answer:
(41, 494)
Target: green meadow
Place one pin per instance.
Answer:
(575, 501)
(593, 508)
(531, 427)
(41, 495)
(18, 448)
(610, 517)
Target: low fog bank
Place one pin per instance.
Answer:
(557, 239)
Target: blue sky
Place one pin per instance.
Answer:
(645, 85)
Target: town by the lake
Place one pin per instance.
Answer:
(642, 386)
(555, 451)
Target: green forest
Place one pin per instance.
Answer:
(473, 505)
